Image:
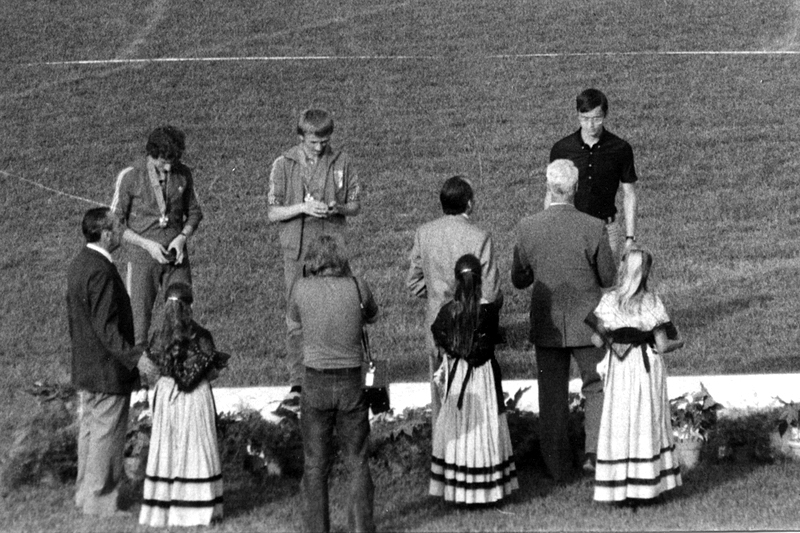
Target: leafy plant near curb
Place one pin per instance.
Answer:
(140, 425)
(789, 419)
(693, 415)
(261, 447)
(44, 449)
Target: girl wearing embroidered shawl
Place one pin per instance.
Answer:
(183, 482)
(636, 457)
(472, 460)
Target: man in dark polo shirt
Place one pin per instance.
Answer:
(604, 162)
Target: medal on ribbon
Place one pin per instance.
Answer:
(159, 192)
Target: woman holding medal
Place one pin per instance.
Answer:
(156, 200)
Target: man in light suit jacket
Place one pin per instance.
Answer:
(105, 362)
(437, 246)
(564, 254)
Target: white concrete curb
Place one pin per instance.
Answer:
(742, 391)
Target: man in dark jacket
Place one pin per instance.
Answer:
(105, 363)
(565, 255)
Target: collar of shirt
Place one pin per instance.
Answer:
(600, 140)
(103, 251)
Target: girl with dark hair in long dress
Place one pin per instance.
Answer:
(183, 480)
(472, 460)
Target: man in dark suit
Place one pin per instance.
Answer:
(566, 256)
(437, 246)
(105, 362)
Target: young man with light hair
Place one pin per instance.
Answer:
(312, 190)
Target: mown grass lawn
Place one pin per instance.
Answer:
(420, 91)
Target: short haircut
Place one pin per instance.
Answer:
(326, 257)
(562, 178)
(317, 122)
(166, 141)
(589, 99)
(455, 196)
(95, 221)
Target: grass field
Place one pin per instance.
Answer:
(420, 91)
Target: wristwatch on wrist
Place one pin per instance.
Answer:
(630, 237)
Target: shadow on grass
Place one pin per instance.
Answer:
(701, 316)
(410, 505)
(245, 493)
(517, 333)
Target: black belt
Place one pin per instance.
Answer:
(335, 371)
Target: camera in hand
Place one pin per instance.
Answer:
(171, 255)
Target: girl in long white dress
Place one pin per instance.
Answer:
(472, 460)
(636, 457)
(183, 480)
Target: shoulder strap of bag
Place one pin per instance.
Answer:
(364, 334)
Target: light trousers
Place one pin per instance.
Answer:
(103, 420)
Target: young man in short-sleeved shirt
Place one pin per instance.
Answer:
(604, 162)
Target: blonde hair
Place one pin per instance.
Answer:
(632, 275)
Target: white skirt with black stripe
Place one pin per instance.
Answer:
(183, 483)
(472, 460)
(636, 456)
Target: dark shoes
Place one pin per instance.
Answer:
(589, 464)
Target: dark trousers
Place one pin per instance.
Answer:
(145, 277)
(553, 376)
(292, 271)
(331, 401)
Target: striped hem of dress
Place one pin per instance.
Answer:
(183, 503)
(472, 470)
(652, 459)
(171, 480)
(629, 481)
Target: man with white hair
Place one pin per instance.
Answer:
(566, 258)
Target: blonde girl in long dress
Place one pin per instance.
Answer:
(636, 457)
(183, 479)
(472, 460)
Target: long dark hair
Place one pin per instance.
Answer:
(466, 300)
(173, 341)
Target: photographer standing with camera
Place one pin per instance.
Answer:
(327, 309)
(156, 200)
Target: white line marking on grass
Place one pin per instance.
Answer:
(554, 55)
(156, 12)
(49, 189)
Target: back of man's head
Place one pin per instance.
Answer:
(456, 195)
(562, 180)
(96, 220)
(590, 99)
